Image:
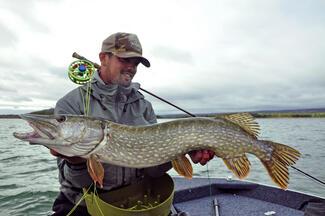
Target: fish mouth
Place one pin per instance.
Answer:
(41, 125)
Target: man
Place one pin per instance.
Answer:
(113, 96)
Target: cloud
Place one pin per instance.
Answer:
(25, 11)
(206, 56)
(7, 37)
(172, 54)
(5, 88)
(14, 98)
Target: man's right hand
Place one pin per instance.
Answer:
(71, 160)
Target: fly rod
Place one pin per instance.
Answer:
(97, 66)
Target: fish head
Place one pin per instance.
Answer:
(67, 134)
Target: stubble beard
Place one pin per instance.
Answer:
(125, 79)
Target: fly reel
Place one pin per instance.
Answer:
(81, 71)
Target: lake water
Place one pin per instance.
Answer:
(29, 183)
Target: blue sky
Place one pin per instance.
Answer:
(206, 56)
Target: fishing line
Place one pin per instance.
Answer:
(95, 194)
(78, 203)
(95, 65)
(309, 176)
(81, 72)
(210, 185)
(192, 115)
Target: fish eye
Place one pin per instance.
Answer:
(103, 125)
(60, 119)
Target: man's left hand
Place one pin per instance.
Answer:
(201, 156)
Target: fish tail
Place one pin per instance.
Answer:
(282, 156)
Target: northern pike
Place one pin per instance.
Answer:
(231, 137)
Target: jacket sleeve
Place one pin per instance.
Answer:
(70, 103)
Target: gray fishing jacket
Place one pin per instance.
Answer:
(119, 104)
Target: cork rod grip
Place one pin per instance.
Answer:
(77, 56)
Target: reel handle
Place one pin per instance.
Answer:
(77, 56)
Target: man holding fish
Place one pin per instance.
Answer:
(113, 96)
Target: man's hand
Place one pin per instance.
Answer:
(71, 160)
(201, 156)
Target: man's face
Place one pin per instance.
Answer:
(116, 70)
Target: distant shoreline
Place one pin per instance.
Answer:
(9, 116)
(306, 113)
(255, 115)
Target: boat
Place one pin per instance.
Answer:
(202, 197)
(227, 197)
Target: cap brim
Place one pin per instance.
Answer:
(143, 60)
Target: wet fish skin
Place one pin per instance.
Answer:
(156, 144)
(145, 146)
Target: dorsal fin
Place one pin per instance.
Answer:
(246, 121)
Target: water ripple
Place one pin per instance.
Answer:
(13, 158)
(32, 203)
(9, 186)
(29, 177)
(41, 170)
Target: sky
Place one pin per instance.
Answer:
(206, 56)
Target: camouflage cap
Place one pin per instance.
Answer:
(124, 45)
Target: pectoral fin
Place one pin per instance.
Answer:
(238, 165)
(183, 166)
(95, 170)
